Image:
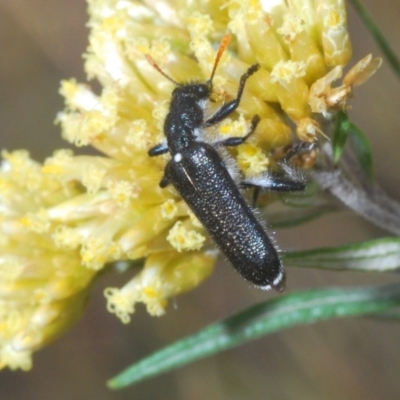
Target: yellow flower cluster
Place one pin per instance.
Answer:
(64, 220)
(43, 287)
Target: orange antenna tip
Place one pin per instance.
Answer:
(222, 47)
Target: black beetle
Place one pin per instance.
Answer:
(209, 183)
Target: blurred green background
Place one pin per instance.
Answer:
(41, 42)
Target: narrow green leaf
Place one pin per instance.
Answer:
(363, 149)
(340, 135)
(378, 255)
(378, 36)
(259, 320)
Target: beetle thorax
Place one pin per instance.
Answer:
(185, 115)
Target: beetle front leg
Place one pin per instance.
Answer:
(231, 106)
(157, 150)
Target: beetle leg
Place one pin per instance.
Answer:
(299, 148)
(291, 181)
(236, 141)
(157, 150)
(164, 182)
(231, 106)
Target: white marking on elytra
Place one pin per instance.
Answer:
(185, 172)
(278, 279)
(177, 157)
(275, 282)
(266, 287)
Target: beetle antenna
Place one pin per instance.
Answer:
(151, 61)
(222, 47)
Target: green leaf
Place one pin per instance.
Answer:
(376, 255)
(340, 135)
(260, 320)
(363, 149)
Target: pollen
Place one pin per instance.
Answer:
(335, 20)
(88, 125)
(95, 252)
(68, 89)
(331, 19)
(285, 71)
(164, 275)
(183, 239)
(123, 191)
(92, 178)
(56, 165)
(155, 305)
(200, 24)
(93, 124)
(36, 222)
(292, 26)
(248, 11)
(78, 96)
(15, 359)
(119, 304)
(251, 159)
(169, 209)
(138, 135)
(67, 238)
(113, 23)
(149, 291)
(230, 128)
(22, 170)
(141, 45)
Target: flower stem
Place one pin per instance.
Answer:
(372, 208)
